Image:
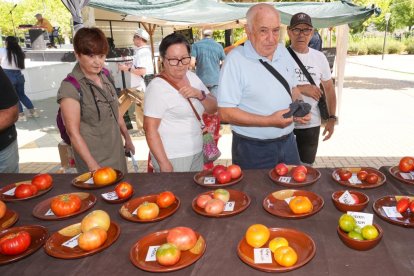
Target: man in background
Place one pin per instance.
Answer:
(45, 24)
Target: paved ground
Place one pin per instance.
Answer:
(375, 126)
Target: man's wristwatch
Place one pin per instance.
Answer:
(129, 69)
(333, 117)
(203, 97)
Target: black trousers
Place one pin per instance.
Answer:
(307, 140)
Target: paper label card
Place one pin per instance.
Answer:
(10, 192)
(391, 212)
(362, 219)
(229, 206)
(337, 177)
(285, 179)
(135, 211)
(110, 196)
(354, 179)
(49, 213)
(262, 256)
(89, 181)
(209, 180)
(151, 254)
(288, 199)
(346, 198)
(407, 176)
(72, 243)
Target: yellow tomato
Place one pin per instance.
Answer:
(277, 242)
(257, 235)
(286, 256)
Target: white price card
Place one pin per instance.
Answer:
(362, 219)
(337, 177)
(391, 212)
(354, 179)
(407, 176)
(346, 198)
(288, 199)
(10, 192)
(135, 211)
(89, 181)
(72, 243)
(262, 256)
(285, 179)
(110, 196)
(229, 206)
(209, 180)
(151, 254)
(49, 213)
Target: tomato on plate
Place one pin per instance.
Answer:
(23, 190)
(406, 164)
(104, 176)
(92, 238)
(301, 205)
(42, 181)
(148, 210)
(344, 175)
(165, 199)
(66, 204)
(124, 190)
(372, 178)
(403, 204)
(235, 171)
(15, 243)
(168, 254)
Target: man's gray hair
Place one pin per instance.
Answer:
(252, 11)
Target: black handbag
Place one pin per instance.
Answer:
(323, 106)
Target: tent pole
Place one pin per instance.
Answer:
(150, 28)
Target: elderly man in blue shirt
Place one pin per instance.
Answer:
(253, 101)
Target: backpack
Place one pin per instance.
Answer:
(59, 121)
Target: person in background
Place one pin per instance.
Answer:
(316, 41)
(207, 56)
(12, 60)
(300, 32)
(141, 69)
(91, 115)
(253, 101)
(172, 130)
(9, 113)
(43, 23)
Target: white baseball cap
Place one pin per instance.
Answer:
(142, 34)
(208, 32)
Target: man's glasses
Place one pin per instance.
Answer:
(176, 61)
(297, 31)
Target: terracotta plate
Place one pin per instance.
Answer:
(40, 210)
(407, 219)
(287, 180)
(396, 173)
(116, 200)
(302, 243)
(80, 181)
(39, 235)
(54, 247)
(139, 251)
(10, 187)
(128, 208)
(362, 184)
(10, 218)
(238, 199)
(199, 179)
(275, 204)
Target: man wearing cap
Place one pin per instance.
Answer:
(141, 69)
(300, 33)
(45, 24)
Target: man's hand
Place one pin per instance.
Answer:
(277, 119)
(329, 130)
(302, 120)
(311, 91)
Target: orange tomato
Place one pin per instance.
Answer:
(92, 238)
(257, 235)
(104, 176)
(301, 205)
(285, 256)
(148, 210)
(277, 242)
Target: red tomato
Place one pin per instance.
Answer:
(23, 191)
(235, 171)
(15, 243)
(92, 238)
(372, 178)
(168, 254)
(362, 175)
(148, 210)
(165, 199)
(42, 181)
(218, 169)
(34, 189)
(406, 164)
(124, 190)
(214, 206)
(182, 237)
(356, 198)
(67, 204)
(301, 168)
(281, 169)
(202, 200)
(104, 176)
(299, 176)
(3, 209)
(344, 175)
(411, 206)
(224, 177)
(403, 204)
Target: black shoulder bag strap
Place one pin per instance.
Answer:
(301, 66)
(277, 75)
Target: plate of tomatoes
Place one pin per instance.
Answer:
(404, 172)
(8, 217)
(123, 192)
(159, 252)
(294, 176)
(150, 208)
(221, 203)
(19, 242)
(359, 177)
(402, 207)
(27, 189)
(100, 178)
(64, 206)
(286, 249)
(293, 204)
(219, 176)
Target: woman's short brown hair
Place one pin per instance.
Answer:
(90, 41)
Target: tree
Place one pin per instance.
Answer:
(403, 13)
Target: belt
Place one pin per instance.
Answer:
(278, 139)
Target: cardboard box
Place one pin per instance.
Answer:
(65, 153)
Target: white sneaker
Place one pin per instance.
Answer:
(33, 113)
(22, 117)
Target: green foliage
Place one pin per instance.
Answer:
(409, 46)
(394, 47)
(403, 13)
(357, 48)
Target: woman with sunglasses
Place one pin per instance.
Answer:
(91, 114)
(172, 130)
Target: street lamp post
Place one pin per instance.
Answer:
(387, 19)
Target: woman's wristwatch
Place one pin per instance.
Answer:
(333, 117)
(204, 96)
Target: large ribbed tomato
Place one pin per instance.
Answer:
(92, 239)
(183, 237)
(66, 204)
(15, 243)
(148, 210)
(104, 176)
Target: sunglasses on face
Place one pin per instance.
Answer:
(176, 61)
(297, 31)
